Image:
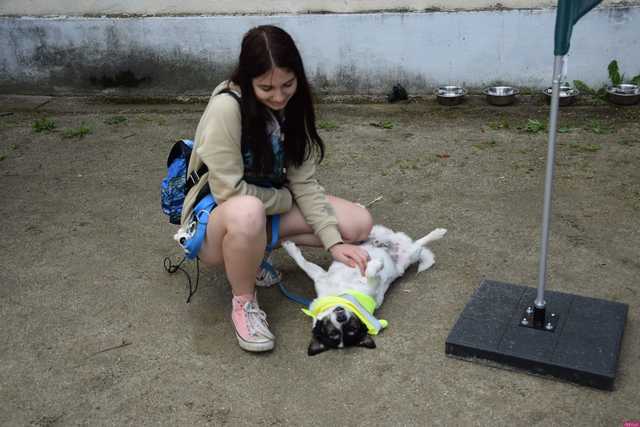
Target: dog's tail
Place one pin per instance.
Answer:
(426, 256)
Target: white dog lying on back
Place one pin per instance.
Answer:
(343, 310)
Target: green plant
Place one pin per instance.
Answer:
(565, 130)
(327, 125)
(598, 128)
(386, 124)
(614, 73)
(584, 88)
(589, 148)
(500, 124)
(78, 132)
(12, 147)
(115, 120)
(484, 145)
(44, 125)
(534, 126)
(617, 78)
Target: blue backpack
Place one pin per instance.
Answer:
(177, 184)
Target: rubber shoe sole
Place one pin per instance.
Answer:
(255, 346)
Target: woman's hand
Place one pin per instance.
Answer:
(352, 255)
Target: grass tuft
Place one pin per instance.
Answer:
(79, 132)
(115, 120)
(44, 125)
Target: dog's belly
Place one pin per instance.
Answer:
(341, 278)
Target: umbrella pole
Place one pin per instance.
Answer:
(540, 303)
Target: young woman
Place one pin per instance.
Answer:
(258, 140)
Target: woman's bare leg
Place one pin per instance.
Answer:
(236, 237)
(354, 223)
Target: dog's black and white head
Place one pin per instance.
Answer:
(338, 328)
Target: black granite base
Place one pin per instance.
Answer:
(583, 348)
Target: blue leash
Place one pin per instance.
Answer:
(293, 297)
(275, 236)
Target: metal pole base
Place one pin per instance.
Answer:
(538, 318)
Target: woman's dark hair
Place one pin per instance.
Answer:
(264, 48)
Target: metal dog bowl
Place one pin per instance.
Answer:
(624, 94)
(568, 94)
(501, 95)
(450, 95)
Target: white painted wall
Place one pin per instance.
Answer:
(343, 53)
(209, 7)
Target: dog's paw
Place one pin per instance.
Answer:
(290, 247)
(439, 233)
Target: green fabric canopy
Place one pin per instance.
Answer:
(569, 12)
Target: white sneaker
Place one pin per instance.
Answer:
(267, 275)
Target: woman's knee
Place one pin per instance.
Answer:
(242, 218)
(245, 215)
(359, 225)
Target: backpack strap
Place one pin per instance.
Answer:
(194, 177)
(230, 92)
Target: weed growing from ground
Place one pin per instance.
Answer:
(600, 94)
(159, 120)
(115, 120)
(614, 77)
(589, 148)
(565, 130)
(534, 126)
(327, 125)
(78, 132)
(501, 124)
(385, 124)
(44, 125)
(12, 147)
(484, 145)
(598, 128)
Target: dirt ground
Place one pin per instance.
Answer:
(95, 332)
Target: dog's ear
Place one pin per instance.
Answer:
(367, 342)
(316, 347)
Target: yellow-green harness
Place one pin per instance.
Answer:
(358, 303)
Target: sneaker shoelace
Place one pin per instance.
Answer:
(257, 321)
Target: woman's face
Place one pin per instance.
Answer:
(275, 87)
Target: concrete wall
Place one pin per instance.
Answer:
(343, 53)
(209, 7)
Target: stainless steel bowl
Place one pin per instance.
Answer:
(450, 95)
(501, 95)
(624, 94)
(568, 95)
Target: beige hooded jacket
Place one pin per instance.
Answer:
(217, 144)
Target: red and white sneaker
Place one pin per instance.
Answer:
(252, 329)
